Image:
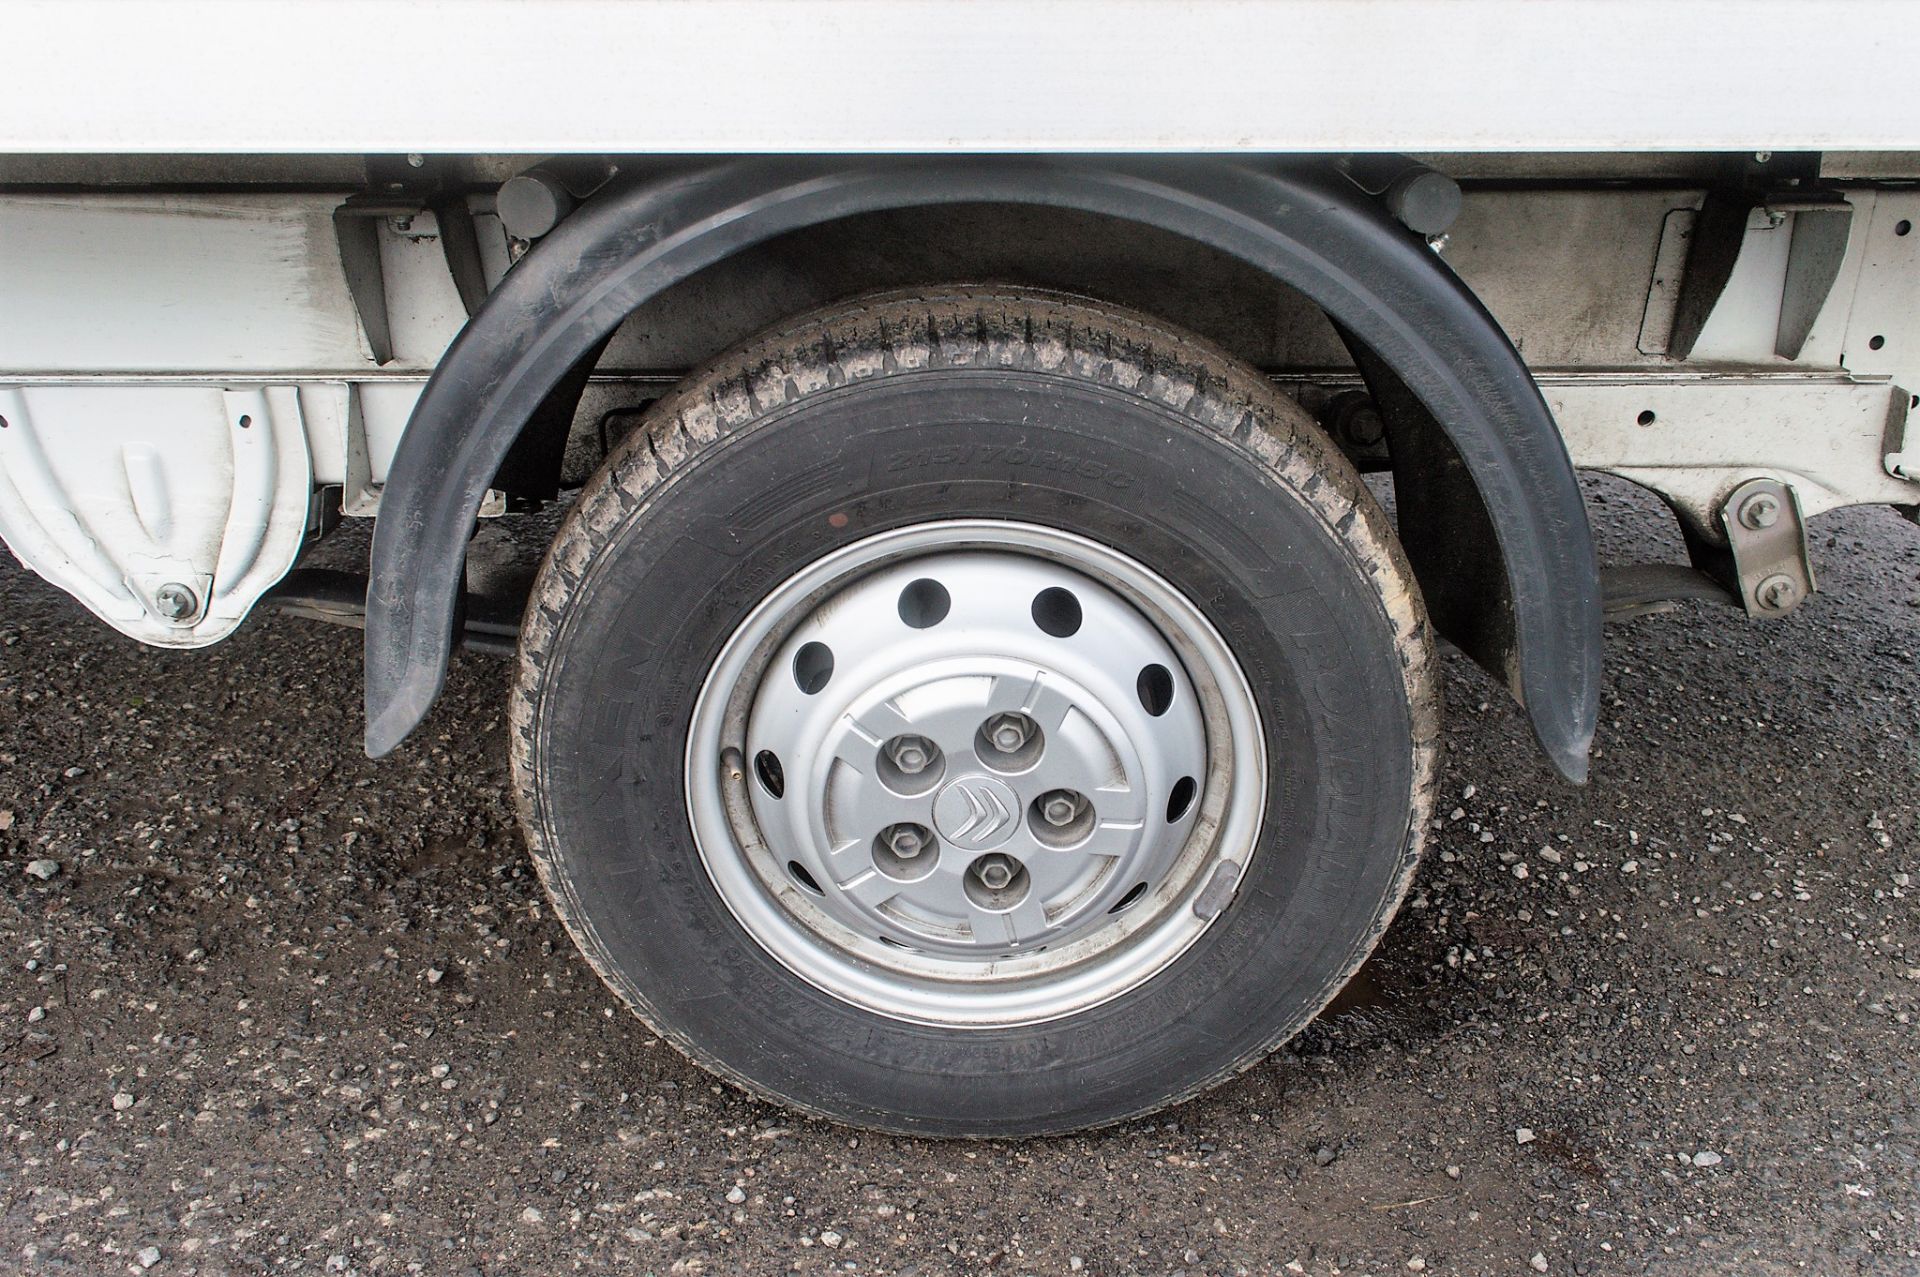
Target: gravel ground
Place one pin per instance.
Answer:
(272, 1007)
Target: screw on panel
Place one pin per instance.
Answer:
(176, 602)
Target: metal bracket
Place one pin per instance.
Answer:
(1819, 245)
(1900, 448)
(356, 228)
(1902, 458)
(1720, 234)
(1769, 543)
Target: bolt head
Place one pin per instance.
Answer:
(910, 754)
(175, 601)
(994, 872)
(906, 841)
(1761, 510)
(1365, 427)
(1009, 732)
(1059, 808)
(1777, 593)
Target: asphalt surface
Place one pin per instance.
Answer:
(278, 1008)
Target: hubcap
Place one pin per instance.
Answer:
(975, 773)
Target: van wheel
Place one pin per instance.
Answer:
(980, 712)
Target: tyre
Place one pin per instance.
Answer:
(980, 712)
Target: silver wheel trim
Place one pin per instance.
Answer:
(1090, 953)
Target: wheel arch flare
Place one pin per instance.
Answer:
(1419, 333)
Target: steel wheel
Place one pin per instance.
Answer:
(959, 773)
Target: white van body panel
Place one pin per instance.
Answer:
(710, 76)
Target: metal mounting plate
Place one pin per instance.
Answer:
(1769, 541)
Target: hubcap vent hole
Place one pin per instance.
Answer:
(813, 667)
(1180, 798)
(800, 875)
(773, 778)
(925, 603)
(1134, 892)
(1057, 612)
(1155, 686)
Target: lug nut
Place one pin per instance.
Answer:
(175, 601)
(1061, 807)
(1009, 732)
(904, 841)
(994, 872)
(911, 754)
(1759, 511)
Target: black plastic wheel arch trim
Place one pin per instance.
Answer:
(1303, 223)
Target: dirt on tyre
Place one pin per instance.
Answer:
(978, 712)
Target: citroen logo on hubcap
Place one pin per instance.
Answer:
(976, 812)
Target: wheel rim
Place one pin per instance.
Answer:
(975, 773)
